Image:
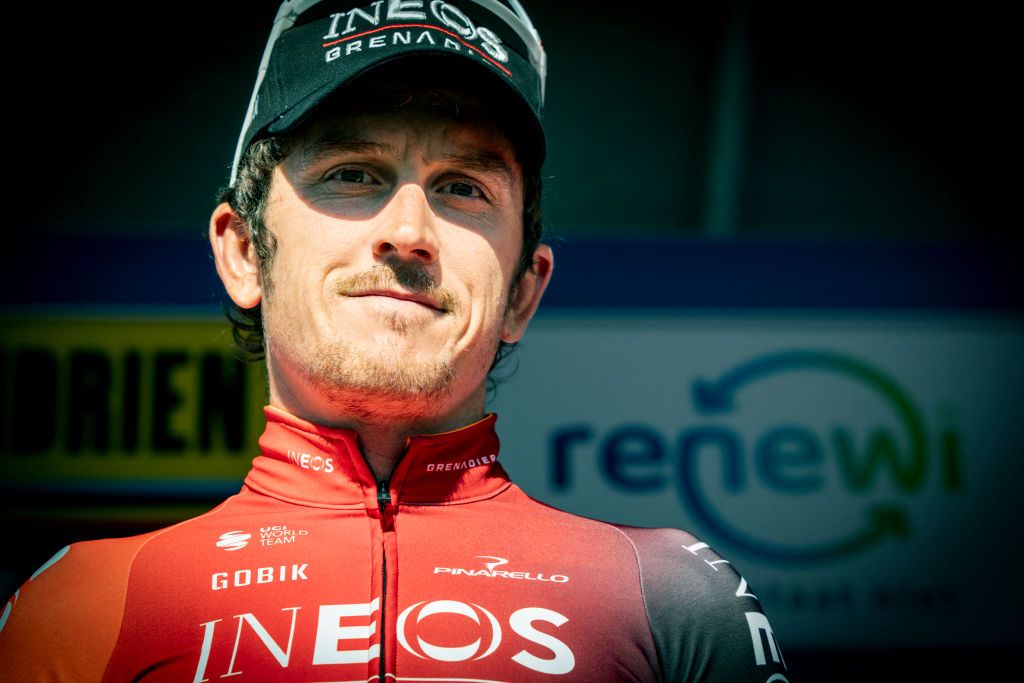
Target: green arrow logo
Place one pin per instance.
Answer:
(721, 396)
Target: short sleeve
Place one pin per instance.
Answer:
(706, 621)
(63, 623)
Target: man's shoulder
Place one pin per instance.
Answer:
(70, 608)
(85, 567)
(663, 555)
(660, 553)
(662, 549)
(705, 617)
(73, 605)
(91, 571)
(85, 572)
(674, 554)
(109, 556)
(581, 529)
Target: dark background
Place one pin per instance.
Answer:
(864, 129)
(727, 119)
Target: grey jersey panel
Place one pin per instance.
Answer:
(706, 621)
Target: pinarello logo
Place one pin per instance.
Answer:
(233, 540)
(498, 561)
(492, 562)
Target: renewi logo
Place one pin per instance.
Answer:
(794, 456)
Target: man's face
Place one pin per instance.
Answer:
(398, 235)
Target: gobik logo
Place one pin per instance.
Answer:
(805, 444)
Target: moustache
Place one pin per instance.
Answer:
(399, 275)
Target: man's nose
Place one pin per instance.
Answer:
(407, 227)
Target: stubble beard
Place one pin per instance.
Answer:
(363, 382)
(375, 387)
(379, 385)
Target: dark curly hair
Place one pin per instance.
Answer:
(394, 88)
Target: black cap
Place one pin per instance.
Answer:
(317, 46)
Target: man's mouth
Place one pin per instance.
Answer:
(412, 297)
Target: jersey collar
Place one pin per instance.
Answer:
(310, 464)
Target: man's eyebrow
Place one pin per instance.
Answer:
(329, 146)
(484, 161)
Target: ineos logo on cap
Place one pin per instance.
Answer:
(413, 25)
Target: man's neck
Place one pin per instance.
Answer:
(383, 429)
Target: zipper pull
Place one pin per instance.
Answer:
(383, 494)
(387, 515)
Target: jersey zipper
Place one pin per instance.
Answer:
(383, 501)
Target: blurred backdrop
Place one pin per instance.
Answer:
(787, 311)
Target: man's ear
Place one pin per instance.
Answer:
(236, 258)
(527, 299)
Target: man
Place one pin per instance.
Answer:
(380, 243)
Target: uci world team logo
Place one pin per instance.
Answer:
(233, 540)
(795, 456)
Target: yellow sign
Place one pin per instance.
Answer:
(119, 400)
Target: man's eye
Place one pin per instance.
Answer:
(462, 189)
(353, 175)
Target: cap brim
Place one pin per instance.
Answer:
(499, 96)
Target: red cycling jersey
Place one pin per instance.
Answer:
(447, 572)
